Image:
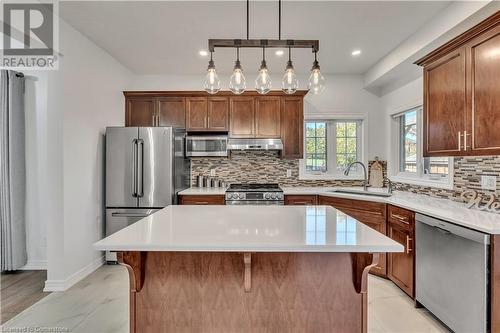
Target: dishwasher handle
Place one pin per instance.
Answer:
(447, 227)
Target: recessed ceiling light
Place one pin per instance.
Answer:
(203, 53)
(279, 53)
(356, 52)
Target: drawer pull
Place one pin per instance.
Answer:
(301, 203)
(201, 203)
(399, 217)
(408, 248)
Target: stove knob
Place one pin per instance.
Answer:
(280, 196)
(240, 195)
(229, 196)
(273, 196)
(267, 196)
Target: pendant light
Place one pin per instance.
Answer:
(237, 82)
(263, 81)
(316, 80)
(212, 82)
(290, 83)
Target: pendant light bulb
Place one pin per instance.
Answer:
(237, 82)
(263, 81)
(290, 83)
(316, 79)
(212, 82)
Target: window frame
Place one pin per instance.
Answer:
(414, 178)
(332, 173)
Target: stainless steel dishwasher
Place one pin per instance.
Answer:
(452, 273)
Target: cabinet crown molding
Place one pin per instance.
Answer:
(460, 40)
(225, 93)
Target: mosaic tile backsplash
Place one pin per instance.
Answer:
(267, 166)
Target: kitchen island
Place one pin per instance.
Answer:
(248, 269)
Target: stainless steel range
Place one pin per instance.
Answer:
(254, 194)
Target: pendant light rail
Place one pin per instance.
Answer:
(312, 44)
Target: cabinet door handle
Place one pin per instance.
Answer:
(408, 240)
(465, 140)
(459, 141)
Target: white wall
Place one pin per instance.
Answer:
(36, 224)
(344, 95)
(82, 97)
(404, 98)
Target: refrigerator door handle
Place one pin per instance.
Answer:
(140, 169)
(134, 168)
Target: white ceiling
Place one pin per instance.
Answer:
(164, 37)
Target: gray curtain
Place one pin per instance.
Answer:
(12, 171)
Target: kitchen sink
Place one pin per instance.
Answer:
(373, 192)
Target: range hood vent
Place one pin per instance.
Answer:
(254, 144)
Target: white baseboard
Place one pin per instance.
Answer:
(34, 265)
(62, 285)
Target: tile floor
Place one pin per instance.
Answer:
(99, 303)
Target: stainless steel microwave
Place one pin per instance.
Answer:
(207, 145)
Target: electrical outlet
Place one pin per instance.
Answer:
(212, 172)
(288, 173)
(489, 183)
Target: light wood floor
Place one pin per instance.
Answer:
(19, 291)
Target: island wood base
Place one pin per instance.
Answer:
(247, 292)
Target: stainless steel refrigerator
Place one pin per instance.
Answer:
(145, 168)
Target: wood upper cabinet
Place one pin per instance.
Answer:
(484, 73)
(292, 127)
(207, 114)
(196, 113)
(401, 266)
(372, 214)
(462, 94)
(267, 117)
(171, 112)
(241, 118)
(218, 114)
(140, 111)
(445, 101)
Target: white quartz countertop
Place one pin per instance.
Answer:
(444, 209)
(203, 191)
(249, 229)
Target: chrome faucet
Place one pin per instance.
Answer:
(365, 182)
(390, 186)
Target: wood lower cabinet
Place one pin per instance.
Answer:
(301, 200)
(201, 200)
(267, 117)
(462, 94)
(372, 214)
(292, 127)
(140, 112)
(401, 266)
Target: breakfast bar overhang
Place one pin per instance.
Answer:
(248, 269)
